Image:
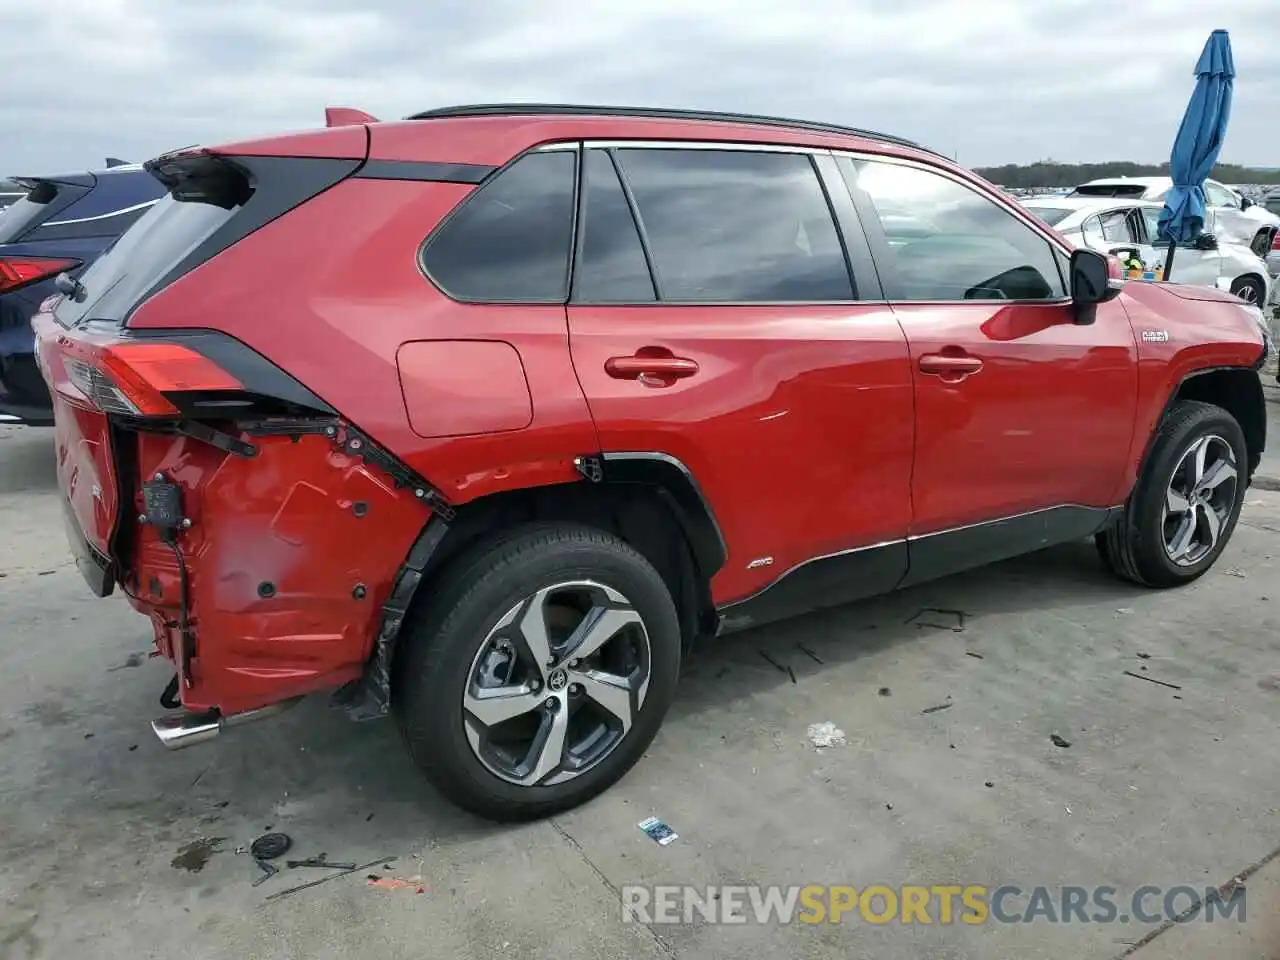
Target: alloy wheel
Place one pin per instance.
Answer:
(1247, 292)
(556, 684)
(1199, 500)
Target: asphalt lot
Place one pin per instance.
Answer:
(112, 847)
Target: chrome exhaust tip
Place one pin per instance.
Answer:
(178, 730)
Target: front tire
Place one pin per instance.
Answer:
(1248, 289)
(540, 671)
(1186, 503)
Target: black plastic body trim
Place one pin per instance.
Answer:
(424, 171)
(98, 571)
(862, 266)
(883, 567)
(1258, 400)
(258, 374)
(691, 507)
(941, 554)
(658, 113)
(370, 697)
(822, 582)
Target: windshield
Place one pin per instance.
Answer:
(139, 258)
(1051, 215)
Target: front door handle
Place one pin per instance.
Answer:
(651, 370)
(950, 367)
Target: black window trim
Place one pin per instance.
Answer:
(574, 147)
(856, 281)
(879, 244)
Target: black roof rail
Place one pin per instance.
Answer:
(657, 113)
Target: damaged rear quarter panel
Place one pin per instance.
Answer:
(290, 555)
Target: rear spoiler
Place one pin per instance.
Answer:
(346, 116)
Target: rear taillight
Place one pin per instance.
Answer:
(1275, 240)
(132, 378)
(17, 272)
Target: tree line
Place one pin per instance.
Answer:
(1046, 173)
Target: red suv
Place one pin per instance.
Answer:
(482, 418)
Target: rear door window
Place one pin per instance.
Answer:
(510, 241)
(611, 267)
(736, 226)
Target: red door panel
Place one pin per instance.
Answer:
(1017, 408)
(796, 421)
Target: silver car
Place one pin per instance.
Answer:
(1236, 219)
(1128, 227)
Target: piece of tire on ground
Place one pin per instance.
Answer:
(1134, 548)
(437, 660)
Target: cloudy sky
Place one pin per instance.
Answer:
(992, 81)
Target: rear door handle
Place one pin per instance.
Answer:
(647, 369)
(950, 367)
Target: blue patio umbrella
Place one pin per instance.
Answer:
(1196, 148)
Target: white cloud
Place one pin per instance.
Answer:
(991, 80)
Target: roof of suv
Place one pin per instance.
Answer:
(657, 113)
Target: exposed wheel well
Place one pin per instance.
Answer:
(1249, 276)
(640, 514)
(1239, 392)
(1262, 240)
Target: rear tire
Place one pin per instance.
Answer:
(539, 672)
(1186, 503)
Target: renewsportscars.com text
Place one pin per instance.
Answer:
(934, 904)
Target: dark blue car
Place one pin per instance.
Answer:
(61, 225)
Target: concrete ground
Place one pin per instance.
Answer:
(113, 848)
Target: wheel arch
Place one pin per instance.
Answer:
(650, 501)
(1238, 390)
(1255, 276)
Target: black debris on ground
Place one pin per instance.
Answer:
(940, 618)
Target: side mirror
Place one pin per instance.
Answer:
(1092, 283)
(1245, 203)
(1206, 241)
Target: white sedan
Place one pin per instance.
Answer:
(1128, 228)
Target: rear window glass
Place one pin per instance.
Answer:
(101, 225)
(1109, 190)
(1050, 215)
(140, 257)
(17, 218)
(509, 242)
